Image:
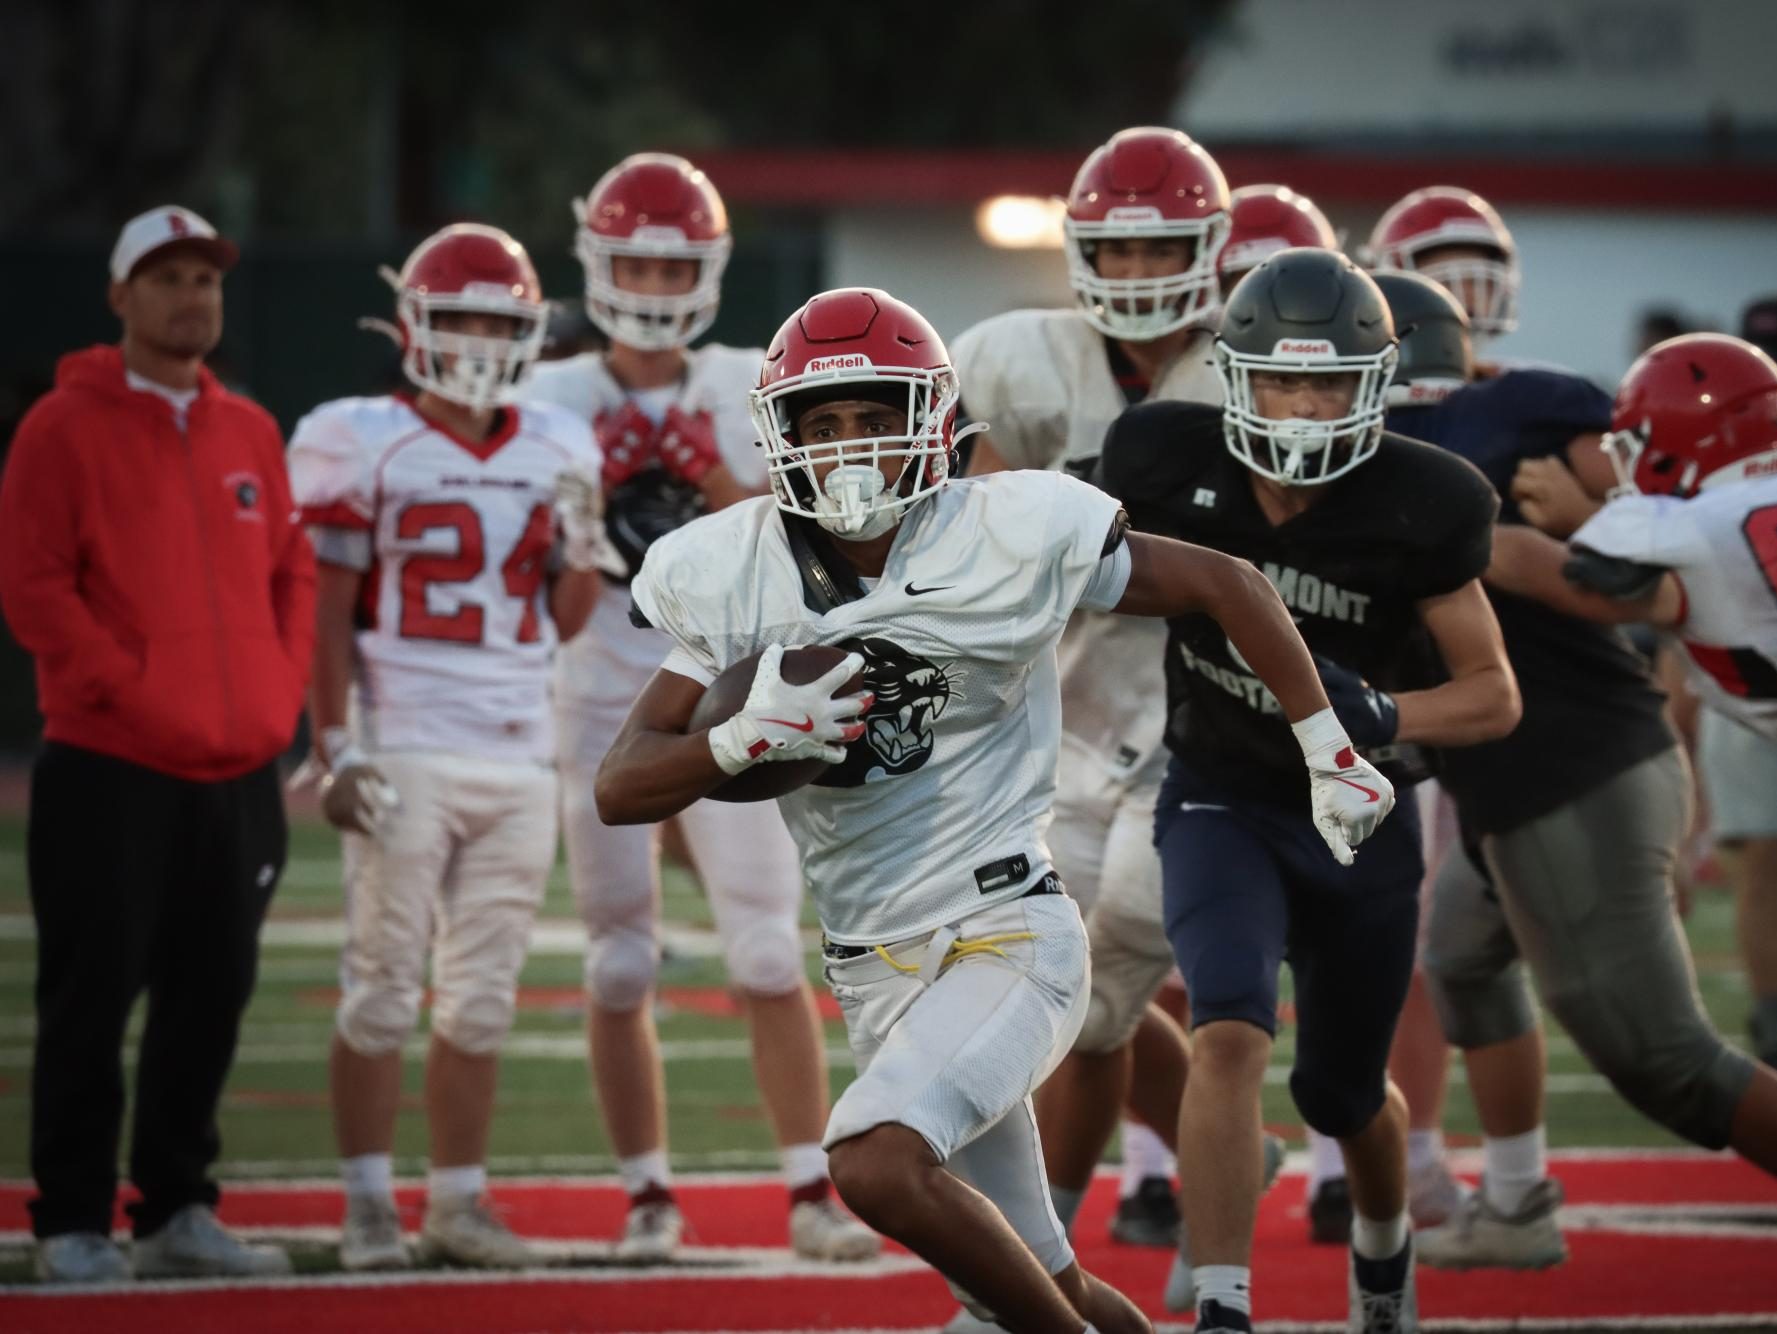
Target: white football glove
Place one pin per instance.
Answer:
(1350, 797)
(354, 794)
(780, 721)
(580, 518)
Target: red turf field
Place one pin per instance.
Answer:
(1665, 1241)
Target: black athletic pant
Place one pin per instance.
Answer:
(139, 881)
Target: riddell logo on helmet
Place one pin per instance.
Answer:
(850, 361)
(1303, 347)
(1138, 213)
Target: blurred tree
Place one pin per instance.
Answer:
(341, 117)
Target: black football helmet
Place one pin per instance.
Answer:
(1437, 354)
(1305, 311)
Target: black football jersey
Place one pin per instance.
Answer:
(1410, 523)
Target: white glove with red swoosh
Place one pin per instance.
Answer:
(780, 721)
(1350, 797)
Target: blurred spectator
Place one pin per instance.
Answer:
(1758, 323)
(1658, 323)
(151, 563)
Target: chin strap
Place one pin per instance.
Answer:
(828, 580)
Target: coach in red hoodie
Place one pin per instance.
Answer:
(151, 562)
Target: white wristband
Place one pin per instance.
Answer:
(737, 744)
(1320, 732)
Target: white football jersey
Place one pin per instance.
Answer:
(455, 645)
(611, 659)
(942, 805)
(1722, 545)
(1042, 382)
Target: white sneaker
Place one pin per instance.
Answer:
(370, 1237)
(1433, 1195)
(821, 1230)
(651, 1233)
(81, 1257)
(1381, 1307)
(1478, 1236)
(464, 1231)
(193, 1244)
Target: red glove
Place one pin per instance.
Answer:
(687, 445)
(627, 439)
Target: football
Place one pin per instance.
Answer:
(728, 692)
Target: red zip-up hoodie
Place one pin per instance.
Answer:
(160, 577)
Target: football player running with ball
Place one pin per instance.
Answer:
(1374, 541)
(678, 442)
(960, 964)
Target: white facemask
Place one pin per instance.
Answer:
(844, 506)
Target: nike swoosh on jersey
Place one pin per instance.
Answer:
(913, 592)
(806, 725)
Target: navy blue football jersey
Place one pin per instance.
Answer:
(1410, 523)
(1590, 708)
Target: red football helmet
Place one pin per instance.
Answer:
(1444, 215)
(857, 343)
(656, 205)
(1694, 411)
(1147, 183)
(468, 269)
(1266, 219)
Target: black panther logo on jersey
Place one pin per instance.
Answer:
(645, 509)
(911, 695)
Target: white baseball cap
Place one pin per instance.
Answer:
(168, 225)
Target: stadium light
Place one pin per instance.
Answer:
(1021, 222)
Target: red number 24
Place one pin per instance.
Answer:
(522, 571)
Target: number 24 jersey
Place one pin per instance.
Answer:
(454, 638)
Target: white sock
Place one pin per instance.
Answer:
(1425, 1149)
(639, 1172)
(1513, 1166)
(1325, 1161)
(1378, 1241)
(1231, 1285)
(1067, 1204)
(369, 1174)
(443, 1183)
(803, 1164)
(1145, 1155)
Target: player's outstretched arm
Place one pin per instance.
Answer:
(1349, 798)
(655, 769)
(1533, 565)
(1170, 578)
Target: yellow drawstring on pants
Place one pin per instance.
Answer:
(960, 949)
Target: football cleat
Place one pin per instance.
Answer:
(1329, 1213)
(821, 1230)
(194, 1245)
(1149, 1217)
(1383, 1298)
(651, 1233)
(1214, 1318)
(370, 1238)
(1478, 1236)
(464, 1231)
